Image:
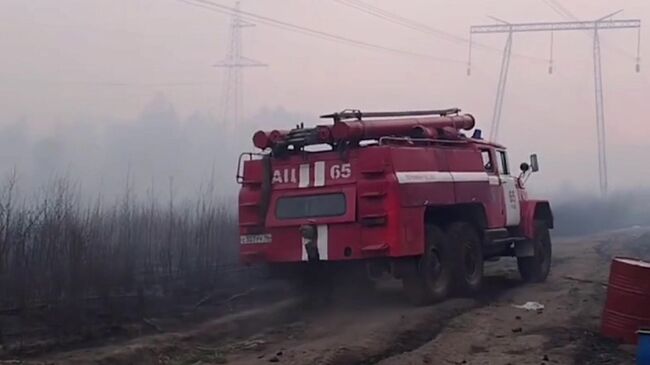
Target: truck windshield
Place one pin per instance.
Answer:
(311, 206)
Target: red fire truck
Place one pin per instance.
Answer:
(408, 193)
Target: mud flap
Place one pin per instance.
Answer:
(525, 248)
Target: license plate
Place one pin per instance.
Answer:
(255, 239)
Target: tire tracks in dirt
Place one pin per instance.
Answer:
(427, 331)
(377, 328)
(566, 332)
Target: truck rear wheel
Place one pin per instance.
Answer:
(468, 268)
(429, 277)
(535, 269)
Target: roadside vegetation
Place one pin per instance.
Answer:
(68, 263)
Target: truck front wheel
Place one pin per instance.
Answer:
(535, 269)
(468, 268)
(428, 278)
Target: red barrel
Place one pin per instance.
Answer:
(627, 308)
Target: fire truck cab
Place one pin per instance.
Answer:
(401, 192)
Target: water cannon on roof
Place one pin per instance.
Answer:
(351, 126)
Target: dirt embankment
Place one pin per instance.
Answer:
(385, 329)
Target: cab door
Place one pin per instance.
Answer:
(509, 187)
(494, 206)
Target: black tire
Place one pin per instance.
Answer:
(428, 279)
(468, 268)
(535, 269)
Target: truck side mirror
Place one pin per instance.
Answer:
(534, 164)
(524, 167)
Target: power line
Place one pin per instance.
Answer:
(559, 9)
(261, 19)
(109, 83)
(421, 27)
(400, 20)
(594, 26)
(567, 14)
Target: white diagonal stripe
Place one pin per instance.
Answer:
(319, 173)
(414, 177)
(469, 176)
(303, 176)
(322, 241)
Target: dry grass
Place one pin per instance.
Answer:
(70, 261)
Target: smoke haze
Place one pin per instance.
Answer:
(158, 152)
(112, 93)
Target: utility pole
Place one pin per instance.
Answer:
(232, 98)
(598, 25)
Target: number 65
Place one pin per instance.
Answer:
(342, 171)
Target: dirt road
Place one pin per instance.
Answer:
(385, 329)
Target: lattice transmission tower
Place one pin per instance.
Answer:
(592, 26)
(232, 97)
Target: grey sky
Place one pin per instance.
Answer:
(81, 60)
